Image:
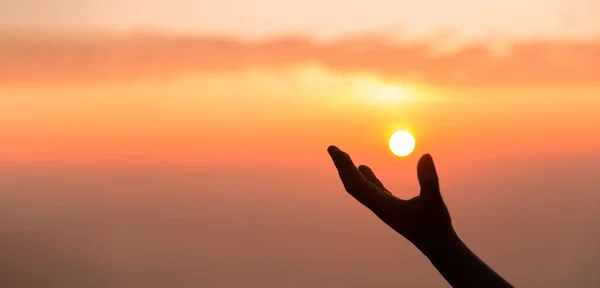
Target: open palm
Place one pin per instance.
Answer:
(423, 220)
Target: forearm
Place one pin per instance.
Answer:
(462, 268)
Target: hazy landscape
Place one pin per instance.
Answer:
(269, 228)
(180, 143)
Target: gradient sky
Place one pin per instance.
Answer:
(264, 17)
(141, 139)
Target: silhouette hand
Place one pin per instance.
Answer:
(423, 220)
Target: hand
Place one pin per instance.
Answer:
(423, 220)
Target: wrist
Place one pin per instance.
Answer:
(445, 246)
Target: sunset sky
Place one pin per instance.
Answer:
(490, 88)
(196, 82)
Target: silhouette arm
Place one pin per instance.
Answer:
(423, 220)
(462, 268)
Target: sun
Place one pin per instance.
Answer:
(402, 143)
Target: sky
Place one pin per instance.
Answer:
(267, 17)
(153, 143)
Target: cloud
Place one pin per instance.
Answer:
(126, 58)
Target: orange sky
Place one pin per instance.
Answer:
(189, 90)
(470, 18)
(248, 94)
(281, 101)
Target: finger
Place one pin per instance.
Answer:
(354, 182)
(349, 174)
(428, 178)
(368, 173)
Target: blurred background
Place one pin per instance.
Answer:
(183, 143)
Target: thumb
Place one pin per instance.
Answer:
(428, 179)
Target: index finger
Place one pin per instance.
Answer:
(354, 182)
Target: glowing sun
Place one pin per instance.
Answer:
(402, 143)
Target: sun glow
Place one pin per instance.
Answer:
(402, 143)
(373, 91)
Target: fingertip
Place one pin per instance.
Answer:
(426, 161)
(332, 149)
(426, 157)
(426, 167)
(426, 171)
(365, 170)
